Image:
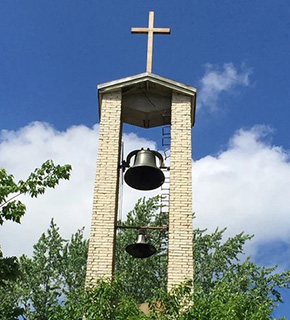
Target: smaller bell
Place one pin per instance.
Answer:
(141, 249)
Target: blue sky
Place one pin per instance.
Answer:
(54, 53)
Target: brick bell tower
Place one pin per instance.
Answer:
(146, 100)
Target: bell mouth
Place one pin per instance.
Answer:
(144, 177)
(141, 250)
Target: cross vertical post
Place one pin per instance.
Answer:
(150, 42)
(150, 30)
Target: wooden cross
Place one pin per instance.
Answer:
(150, 30)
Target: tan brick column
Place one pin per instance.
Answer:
(100, 261)
(180, 255)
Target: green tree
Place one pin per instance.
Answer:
(222, 288)
(54, 273)
(47, 176)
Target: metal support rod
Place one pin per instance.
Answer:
(140, 227)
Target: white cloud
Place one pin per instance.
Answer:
(69, 203)
(245, 188)
(216, 81)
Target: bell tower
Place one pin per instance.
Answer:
(146, 100)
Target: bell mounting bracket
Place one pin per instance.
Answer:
(126, 163)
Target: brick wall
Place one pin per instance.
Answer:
(180, 256)
(100, 261)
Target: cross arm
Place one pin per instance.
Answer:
(155, 30)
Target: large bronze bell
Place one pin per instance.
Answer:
(141, 249)
(144, 174)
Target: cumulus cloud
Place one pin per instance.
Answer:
(22, 151)
(245, 187)
(219, 80)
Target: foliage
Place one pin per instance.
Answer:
(245, 292)
(47, 176)
(102, 302)
(55, 272)
(9, 269)
(51, 285)
(213, 257)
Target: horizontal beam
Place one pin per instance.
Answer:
(143, 227)
(155, 30)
